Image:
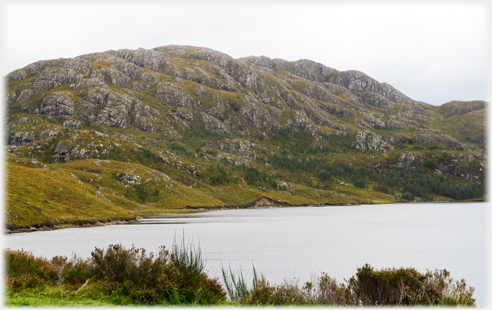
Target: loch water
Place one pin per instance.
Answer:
(297, 244)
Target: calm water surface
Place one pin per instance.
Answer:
(299, 243)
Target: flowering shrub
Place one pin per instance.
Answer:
(125, 275)
(403, 286)
(74, 271)
(24, 270)
(325, 291)
(406, 286)
(284, 294)
(328, 292)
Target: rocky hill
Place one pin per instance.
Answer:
(178, 127)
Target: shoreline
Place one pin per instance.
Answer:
(254, 205)
(261, 203)
(96, 223)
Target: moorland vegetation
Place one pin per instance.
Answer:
(121, 276)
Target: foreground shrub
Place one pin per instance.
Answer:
(124, 275)
(454, 293)
(130, 272)
(283, 294)
(75, 271)
(386, 287)
(328, 292)
(24, 270)
(406, 286)
(325, 291)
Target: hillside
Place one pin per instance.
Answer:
(118, 134)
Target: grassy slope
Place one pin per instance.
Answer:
(460, 126)
(38, 195)
(87, 190)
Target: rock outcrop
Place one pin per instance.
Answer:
(58, 104)
(369, 141)
(360, 82)
(405, 161)
(170, 89)
(240, 146)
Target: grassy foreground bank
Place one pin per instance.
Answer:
(120, 276)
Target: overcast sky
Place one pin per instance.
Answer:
(431, 51)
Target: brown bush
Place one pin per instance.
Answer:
(406, 286)
(127, 275)
(24, 270)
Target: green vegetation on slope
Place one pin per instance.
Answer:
(91, 190)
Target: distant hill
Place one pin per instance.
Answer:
(111, 135)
